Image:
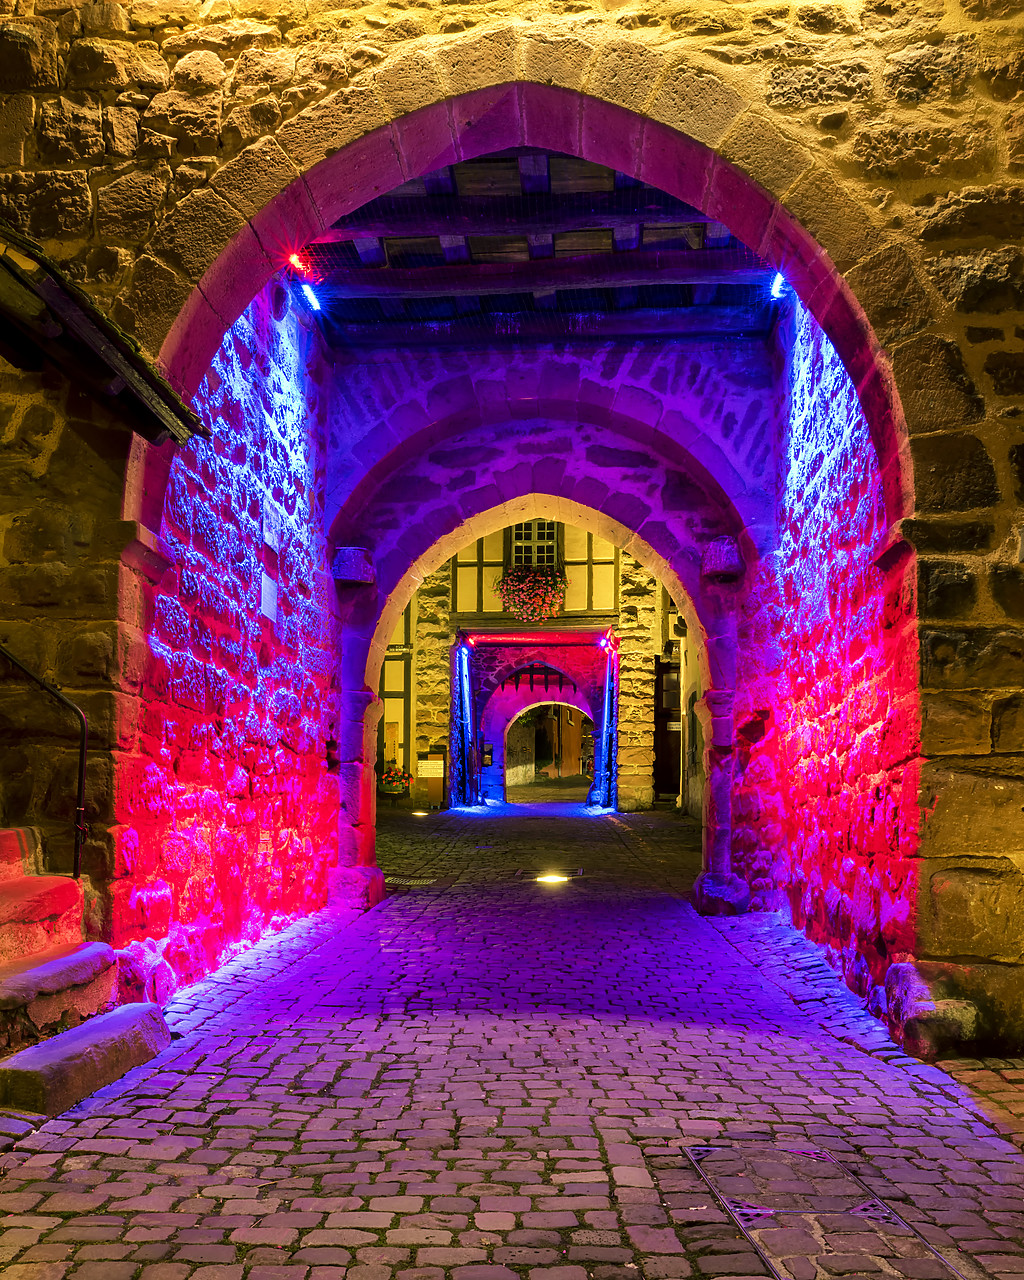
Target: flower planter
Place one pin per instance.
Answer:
(531, 593)
(392, 788)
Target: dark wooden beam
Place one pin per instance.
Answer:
(686, 323)
(596, 271)
(509, 215)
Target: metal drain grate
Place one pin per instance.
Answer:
(409, 882)
(807, 1203)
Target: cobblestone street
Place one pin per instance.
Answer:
(489, 1077)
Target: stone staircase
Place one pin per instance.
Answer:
(52, 981)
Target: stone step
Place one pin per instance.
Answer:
(43, 994)
(52, 1076)
(38, 913)
(19, 853)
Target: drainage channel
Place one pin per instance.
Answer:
(808, 1216)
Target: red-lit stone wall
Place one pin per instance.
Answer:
(826, 762)
(225, 805)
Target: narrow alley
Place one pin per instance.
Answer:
(490, 1077)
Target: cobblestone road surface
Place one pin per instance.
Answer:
(487, 1078)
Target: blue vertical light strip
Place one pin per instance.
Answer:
(469, 787)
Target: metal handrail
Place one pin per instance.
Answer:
(81, 830)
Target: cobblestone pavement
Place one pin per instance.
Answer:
(487, 1077)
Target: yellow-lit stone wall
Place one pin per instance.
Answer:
(431, 671)
(640, 630)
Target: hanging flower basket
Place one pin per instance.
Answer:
(394, 780)
(532, 593)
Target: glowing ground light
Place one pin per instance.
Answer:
(311, 297)
(778, 285)
(552, 879)
(421, 813)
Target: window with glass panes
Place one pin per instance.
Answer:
(535, 542)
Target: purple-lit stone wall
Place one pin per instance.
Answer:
(826, 772)
(227, 814)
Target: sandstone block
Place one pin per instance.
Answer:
(935, 388)
(192, 118)
(127, 207)
(151, 302)
(955, 724)
(923, 151)
(45, 203)
(972, 658)
(255, 177)
(478, 62)
(1007, 584)
(28, 54)
(836, 221)
(954, 473)
(1006, 369)
(71, 128)
(259, 69)
(121, 131)
(17, 112)
(982, 9)
(198, 72)
(224, 37)
(104, 19)
(989, 280)
(792, 87)
(942, 536)
(53, 1076)
(887, 287)
(245, 123)
(996, 211)
(923, 71)
(624, 72)
(697, 103)
(1008, 723)
(197, 230)
(946, 589)
(556, 58)
(115, 64)
(976, 912)
(327, 126)
(764, 153)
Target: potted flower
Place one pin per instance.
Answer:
(394, 780)
(532, 592)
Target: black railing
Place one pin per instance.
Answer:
(81, 830)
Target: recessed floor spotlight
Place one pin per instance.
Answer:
(552, 879)
(421, 813)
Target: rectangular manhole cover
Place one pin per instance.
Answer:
(811, 1218)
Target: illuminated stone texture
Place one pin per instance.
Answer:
(871, 161)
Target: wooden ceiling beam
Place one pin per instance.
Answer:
(686, 323)
(510, 215)
(595, 271)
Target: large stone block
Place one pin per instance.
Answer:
(28, 54)
(923, 151)
(920, 72)
(988, 280)
(325, 127)
(46, 204)
(954, 472)
(956, 724)
(792, 86)
(996, 211)
(71, 128)
(1006, 369)
(696, 102)
(127, 207)
(196, 231)
(970, 810)
(935, 388)
(116, 64)
(972, 658)
(975, 911)
(50, 1077)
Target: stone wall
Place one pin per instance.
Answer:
(226, 801)
(432, 671)
(640, 629)
(69, 608)
(825, 815)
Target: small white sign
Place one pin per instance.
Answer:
(430, 769)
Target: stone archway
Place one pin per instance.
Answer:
(733, 590)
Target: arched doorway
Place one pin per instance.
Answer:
(695, 503)
(548, 753)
